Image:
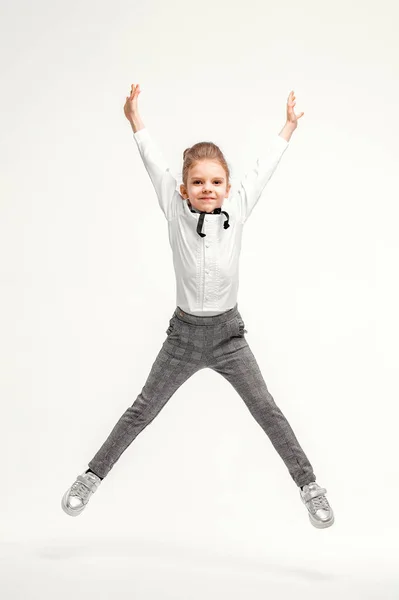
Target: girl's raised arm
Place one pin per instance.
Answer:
(162, 178)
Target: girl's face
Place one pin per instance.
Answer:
(206, 179)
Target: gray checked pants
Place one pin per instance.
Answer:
(194, 343)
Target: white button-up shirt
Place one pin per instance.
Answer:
(207, 268)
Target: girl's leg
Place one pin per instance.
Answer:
(238, 365)
(172, 367)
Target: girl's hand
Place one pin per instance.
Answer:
(292, 119)
(131, 109)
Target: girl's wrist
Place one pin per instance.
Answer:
(136, 122)
(287, 131)
(290, 126)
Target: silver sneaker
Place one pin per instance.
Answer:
(320, 512)
(77, 496)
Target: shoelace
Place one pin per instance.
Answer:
(320, 502)
(80, 489)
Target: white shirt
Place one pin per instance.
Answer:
(207, 268)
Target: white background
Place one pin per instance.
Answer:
(200, 505)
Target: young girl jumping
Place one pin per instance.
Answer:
(206, 330)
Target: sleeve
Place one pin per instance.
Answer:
(251, 187)
(161, 177)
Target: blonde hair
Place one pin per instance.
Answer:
(203, 151)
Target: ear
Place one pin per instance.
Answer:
(228, 188)
(183, 191)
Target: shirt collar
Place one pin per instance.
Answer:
(200, 223)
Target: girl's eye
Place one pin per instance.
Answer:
(198, 181)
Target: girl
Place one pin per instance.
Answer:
(206, 329)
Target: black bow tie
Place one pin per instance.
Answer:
(217, 211)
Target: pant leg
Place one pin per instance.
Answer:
(171, 368)
(236, 362)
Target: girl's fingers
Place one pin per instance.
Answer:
(134, 89)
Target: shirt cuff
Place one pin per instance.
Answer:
(281, 142)
(141, 134)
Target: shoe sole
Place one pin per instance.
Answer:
(321, 524)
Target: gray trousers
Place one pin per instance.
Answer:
(194, 343)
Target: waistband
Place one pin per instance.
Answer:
(204, 320)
